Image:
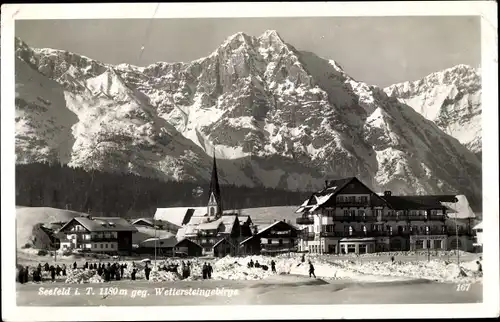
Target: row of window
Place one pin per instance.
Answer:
(390, 213)
(105, 246)
(352, 199)
(377, 227)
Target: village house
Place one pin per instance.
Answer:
(279, 237)
(110, 235)
(45, 237)
(218, 232)
(347, 217)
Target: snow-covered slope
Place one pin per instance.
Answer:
(450, 98)
(274, 116)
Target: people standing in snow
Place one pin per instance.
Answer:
(132, 275)
(250, 264)
(273, 266)
(20, 275)
(53, 273)
(392, 259)
(64, 269)
(303, 259)
(257, 265)
(74, 265)
(311, 270)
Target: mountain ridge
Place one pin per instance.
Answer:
(279, 117)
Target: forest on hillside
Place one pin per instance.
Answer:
(129, 195)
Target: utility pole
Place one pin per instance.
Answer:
(456, 236)
(154, 223)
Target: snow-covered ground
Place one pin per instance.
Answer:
(438, 269)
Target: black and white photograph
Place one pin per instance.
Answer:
(242, 157)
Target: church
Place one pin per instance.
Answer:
(218, 232)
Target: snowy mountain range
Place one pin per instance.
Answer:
(451, 99)
(274, 116)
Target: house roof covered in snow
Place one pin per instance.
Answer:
(97, 224)
(179, 215)
(167, 242)
(332, 188)
(149, 221)
(418, 202)
(478, 226)
(281, 222)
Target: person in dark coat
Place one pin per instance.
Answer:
(146, 271)
(122, 269)
(86, 265)
(257, 265)
(204, 271)
(58, 270)
(36, 276)
(250, 263)
(479, 266)
(303, 258)
(74, 265)
(311, 270)
(273, 266)
(20, 275)
(392, 259)
(209, 270)
(132, 275)
(26, 274)
(53, 273)
(106, 274)
(39, 268)
(64, 269)
(46, 267)
(117, 274)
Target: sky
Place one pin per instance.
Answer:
(376, 50)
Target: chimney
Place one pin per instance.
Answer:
(387, 193)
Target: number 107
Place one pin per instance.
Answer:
(463, 287)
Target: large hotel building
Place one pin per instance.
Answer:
(347, 217)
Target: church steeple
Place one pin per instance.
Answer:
(214, 207)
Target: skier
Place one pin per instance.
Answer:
(132, 275)
(311, 270)
(74, 265)
(392, 259)
(273, 266)
(146, 271)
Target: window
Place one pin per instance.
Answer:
(280, 242)
(364, 199)
(212, 211)
(106, 246)
(351, 248)
(427, 230)
(113, 245)
(352, 213)
(269, 241)
(364, 230)
(419, 244)
(102, 246)
(95, 245)
(346, 213)
(351, 230)
(362, 249)
(362, 213)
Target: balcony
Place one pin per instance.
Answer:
(307, 236)
(413, 218)
(304, 221)
(274, 247)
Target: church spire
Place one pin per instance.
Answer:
(214, 199)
